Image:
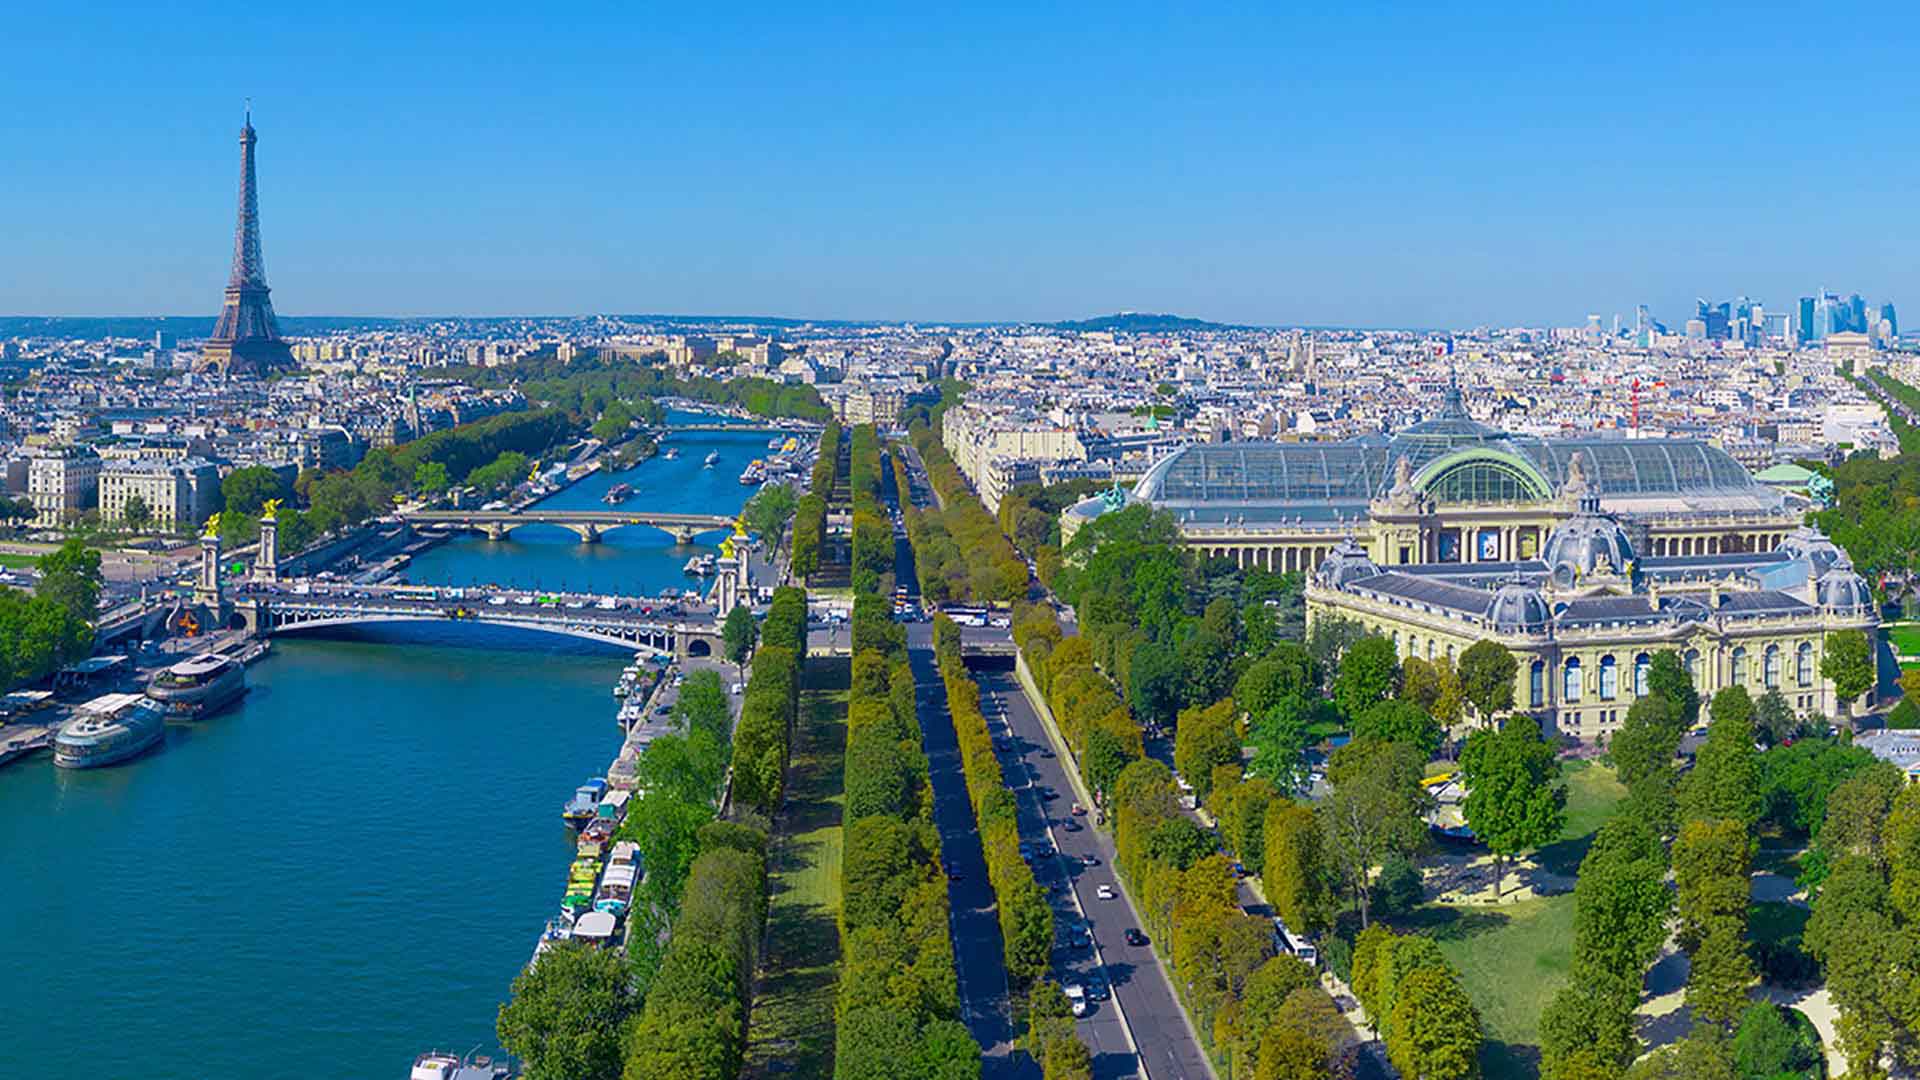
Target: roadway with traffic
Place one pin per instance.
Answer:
(1142, 1011)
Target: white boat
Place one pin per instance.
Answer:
(109, 729)
(440, 1065)
(713, 458)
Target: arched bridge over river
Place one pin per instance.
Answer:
(589, 525)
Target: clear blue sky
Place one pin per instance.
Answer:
(1357, 164)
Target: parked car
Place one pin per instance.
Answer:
(1135, 938)
(1076, 998)
(1097, 988)
(1104, 891)
(1090, 859)
(1070, 825)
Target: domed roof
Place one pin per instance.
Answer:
(1842, 590)
(1588, 543)
(1810, 544)
(1518, 608)
(1346, 563)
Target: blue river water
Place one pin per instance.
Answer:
(351, 865)
(633, 560)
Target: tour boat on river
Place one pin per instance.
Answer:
(199, 686)
(109, 729)
(713, 458)
(618, 494)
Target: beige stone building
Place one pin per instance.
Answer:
(63, 482)
(178, 494)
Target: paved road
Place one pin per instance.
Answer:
(979, 951)
(1168, 1048)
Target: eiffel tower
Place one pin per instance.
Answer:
(247, 339)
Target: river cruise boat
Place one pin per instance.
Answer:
(700, 565)
(713, 458)
(670, 453)
(109, 729)
(199, 686)
(618, 494)
(756, 472)
(580, 809)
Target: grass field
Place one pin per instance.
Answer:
(792, 1023)
(18, 562)
(1513, 958)
(1905, 640)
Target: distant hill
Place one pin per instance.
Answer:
(1135, 322)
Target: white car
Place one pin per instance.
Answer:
(1104, 892)
(736, 688)
(1077, 998)
(497, 601)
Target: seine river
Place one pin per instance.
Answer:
(350, 866)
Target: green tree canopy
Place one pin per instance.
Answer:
(1514, 801)
(1487, 671)
(564, 1019)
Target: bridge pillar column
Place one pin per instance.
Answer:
(496, 531)
(589, 533)
(266, 564)
(683, 534)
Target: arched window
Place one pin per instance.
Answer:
(1693, 666)
(1738, 675)
(1429, 648)
(1449, 652)
(1570, 682)
(1642, 664)
(1609, 678)
(1770, 667)
(1537, 684)
(1803, 664)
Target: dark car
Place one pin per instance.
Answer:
(1070, 825)
(1045, 752)
(1097, 988)
(1049, 794)
(1135, 937)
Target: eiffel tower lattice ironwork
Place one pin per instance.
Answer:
(247, 337)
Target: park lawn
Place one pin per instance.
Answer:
(1593, 791)
(18, 562)
(792, 1024)
(1905, 640)
(1514, 957)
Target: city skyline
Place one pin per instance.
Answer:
(1021, 173)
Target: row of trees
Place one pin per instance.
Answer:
(872, 533)
(589, 384)
(1026, 919)
(1416, 1002)
(810, 515)
(958, 547)
(1092, 719)
(1256, 1009)
(899, 1008)
(679, 777)
(52, 627)
(568, 1013)
(694, 1025)
(763, 741)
